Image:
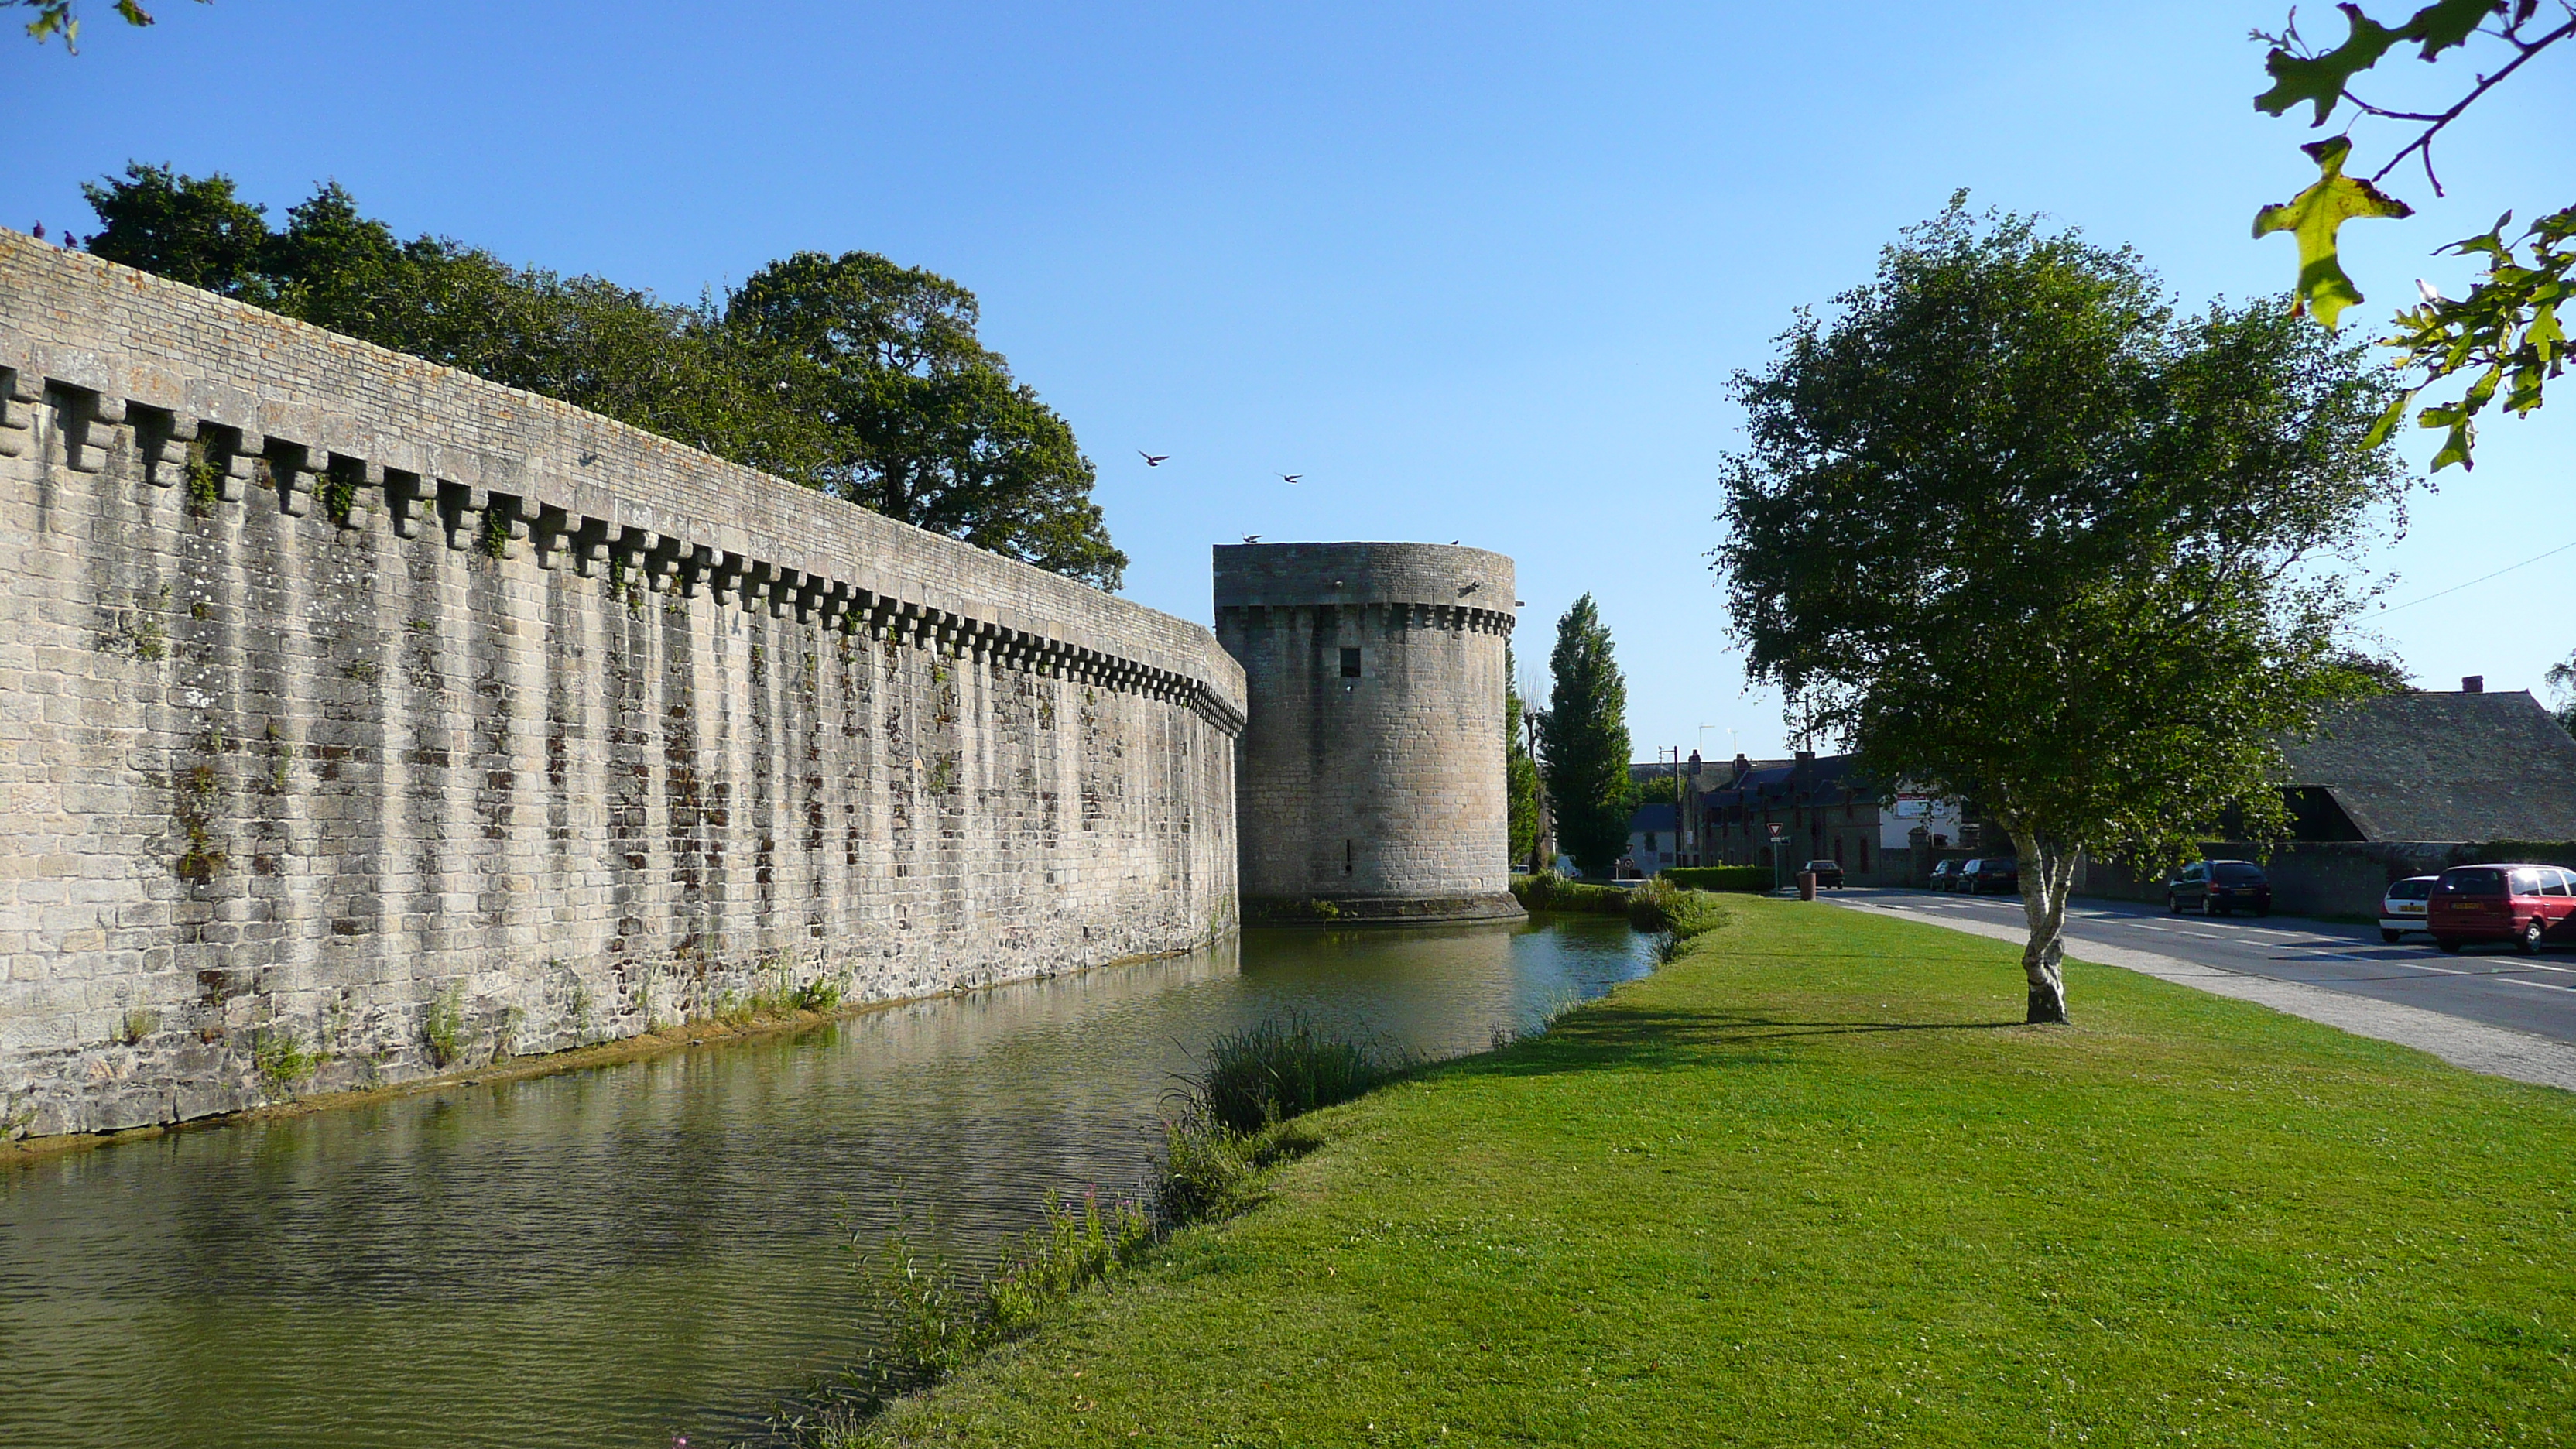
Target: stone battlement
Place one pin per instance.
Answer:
(291, 410)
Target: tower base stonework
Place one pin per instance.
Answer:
(1370, 782)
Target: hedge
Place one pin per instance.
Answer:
(1755, 878)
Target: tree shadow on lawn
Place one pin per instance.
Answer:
(1609, 1035)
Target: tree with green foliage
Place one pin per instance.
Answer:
(2506, 334)
(2016, 531)
(2562, 682)
(1520, 772)
(185, 228)
(922, 422)
(850, 375)
(1584, 742)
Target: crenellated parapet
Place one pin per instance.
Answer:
(250, 408)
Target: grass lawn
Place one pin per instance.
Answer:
(1814, 1184)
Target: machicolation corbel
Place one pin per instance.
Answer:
(20, 394)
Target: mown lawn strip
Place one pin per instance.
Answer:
(1812, 1183)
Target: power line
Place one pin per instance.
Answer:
(2482, 578)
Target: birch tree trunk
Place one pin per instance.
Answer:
(2047, 875)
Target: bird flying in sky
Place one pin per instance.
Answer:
(1153, 460)
(1290, 477)
(1252, 538)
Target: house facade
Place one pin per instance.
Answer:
(1823, 808)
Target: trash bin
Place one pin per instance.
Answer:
(1806, 885)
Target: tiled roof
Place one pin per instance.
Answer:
(2445, 766)
(1651, 817)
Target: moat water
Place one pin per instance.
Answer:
(615, 1256)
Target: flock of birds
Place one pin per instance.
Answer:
(1157, 460)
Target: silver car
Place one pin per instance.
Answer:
(2402, 909)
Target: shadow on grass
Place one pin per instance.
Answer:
(1607, 1035)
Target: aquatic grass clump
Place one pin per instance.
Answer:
(1284, 1066)
(1549, 891)
(1075, 1248)
(938, 1317)
(1659, 905)
(1232, 1125)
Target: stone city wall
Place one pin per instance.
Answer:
(360, 719)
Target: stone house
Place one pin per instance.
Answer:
(1653, 839)
(1826, 810)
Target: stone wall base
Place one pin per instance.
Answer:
(1378, 910)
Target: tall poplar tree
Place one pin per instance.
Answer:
(1520, 772)
(1585, 740)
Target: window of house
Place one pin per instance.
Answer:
(1350, 664)
(1650, 840)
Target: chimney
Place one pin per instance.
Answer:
(2474, 684)
(1806, 757)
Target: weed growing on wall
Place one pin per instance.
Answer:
(205, 482)
(442, 1026)
(282, 1059)
(339, 496)
(197, 792)
(496, 534)
(135, 633)
(139, 1022)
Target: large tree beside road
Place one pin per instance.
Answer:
(2014, 529)
(1583, 742)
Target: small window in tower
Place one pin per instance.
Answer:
(1350, 664)
(1346, 845)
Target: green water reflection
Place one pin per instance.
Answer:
(612, 1256)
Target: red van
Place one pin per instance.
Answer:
(2529, 905)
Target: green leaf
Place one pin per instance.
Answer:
(2389, 418)
(2314, 215)
(2457, 447)
(2320, 79)
(2446, 23)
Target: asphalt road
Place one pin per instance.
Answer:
(2490, 984)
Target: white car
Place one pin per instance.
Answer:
(2402, 910)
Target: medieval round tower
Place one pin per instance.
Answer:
(1369, 783)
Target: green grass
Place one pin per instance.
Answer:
(1813, 1183)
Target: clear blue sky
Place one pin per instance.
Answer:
(1476, 271)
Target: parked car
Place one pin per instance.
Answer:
(2403, 908)
(2220, 888)
(1945, 875)
(2529, 905)
(1826, 872)
(1991, 875)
